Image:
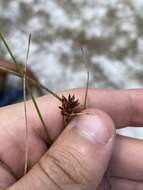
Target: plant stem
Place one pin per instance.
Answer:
(87, 81)
(33, 82)
(19, 72)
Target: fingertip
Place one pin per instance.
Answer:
(95, 125)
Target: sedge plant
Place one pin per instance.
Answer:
(70, 105)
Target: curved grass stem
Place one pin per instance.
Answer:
(31, 80)
(20, 74)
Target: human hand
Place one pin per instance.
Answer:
(79, 157)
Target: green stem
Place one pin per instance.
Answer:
(19, 72)
(33, 82)
(49, 141)
(9, 51)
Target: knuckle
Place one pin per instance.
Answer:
(49, 177)
(66, 167)
(69, 163)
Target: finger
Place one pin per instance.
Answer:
(78, 159)
(126, 160)
(122, 105)
(120, 183)
(125, 184)
(12, 149)
(6, 178)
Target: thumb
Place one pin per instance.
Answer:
(78, 159)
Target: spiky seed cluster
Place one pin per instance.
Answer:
(68, 105)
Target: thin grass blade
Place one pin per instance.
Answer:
(49, 141)
(2, 68)
(88, 77)
(48, 138)
(25, 108)
(10, 52)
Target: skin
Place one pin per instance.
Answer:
(115, 108)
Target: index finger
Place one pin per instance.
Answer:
(123, 106)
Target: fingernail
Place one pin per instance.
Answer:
(93, 128)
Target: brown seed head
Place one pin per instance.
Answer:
(68, 105)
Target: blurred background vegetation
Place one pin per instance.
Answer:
(111, 31)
